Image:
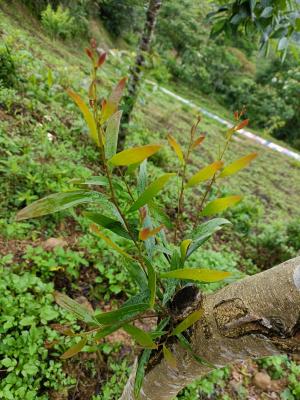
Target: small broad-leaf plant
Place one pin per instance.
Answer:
(157, 251)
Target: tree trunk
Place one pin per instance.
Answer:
(255, 317)
(137, 70)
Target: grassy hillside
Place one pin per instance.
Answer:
(44, 144)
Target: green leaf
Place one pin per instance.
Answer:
(137, 274)
(123, 314)
(74, 349)
(187, 322)
(111, 134)
(196, 274)
(267, 12)
(134, 155)
(78, 310)
(107, 330)
(89, 119)
(219, 205)
(169, 357)
(58, 202)
(151, 282)
(237, 165)
(141, 337)
(109, 223)
(94, 229)
(142, 297)
(140, 373)
(283, 43)
(205, 173)
(184, 248)
(203, 232)
(160, 215)
(150, 192)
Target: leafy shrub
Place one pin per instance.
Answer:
(126, 207)
(26, 310)
(8, 73)
(59, 23)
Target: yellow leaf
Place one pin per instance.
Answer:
(176, 147)
(108, 241)
(134, 155)
(219, 205)
(183, 247)
(169, 357)
(89, 119)
(237, 165)
(145, 233)
(196, 274)
(205, 173)
(188, 321)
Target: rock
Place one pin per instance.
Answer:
(52, 243)
(262, 380)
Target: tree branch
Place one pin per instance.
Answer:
(255, 317)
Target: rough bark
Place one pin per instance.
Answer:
(137, 69)
(254, 317)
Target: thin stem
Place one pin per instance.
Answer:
(181, 194)
(209, 187)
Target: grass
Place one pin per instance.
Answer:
(44, 144)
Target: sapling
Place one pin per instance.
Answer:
(157, 249)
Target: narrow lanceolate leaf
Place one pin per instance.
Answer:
(184, 247)
(188, 321)
(241, 125)
(146, 233)
(111, 134)
(204, 231)
(196, 274)
(219, 205)
(74, 349)
(88, 116)
(123, 314)
(169, 357)
(110, 106)
(151, 282)
(176, 147)
(78, 310)
(57, 202)
(108, 241)
(134, 155)
(140, 372)
(141, 337)
(198, 141)
(237, 165)
(205, 173)
(108, 223)
(150, 192)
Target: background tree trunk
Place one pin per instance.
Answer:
(254, 317)
(137, 70)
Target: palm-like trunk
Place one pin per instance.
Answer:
(254, 317)
(137, 69)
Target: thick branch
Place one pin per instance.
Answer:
(254, 317)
